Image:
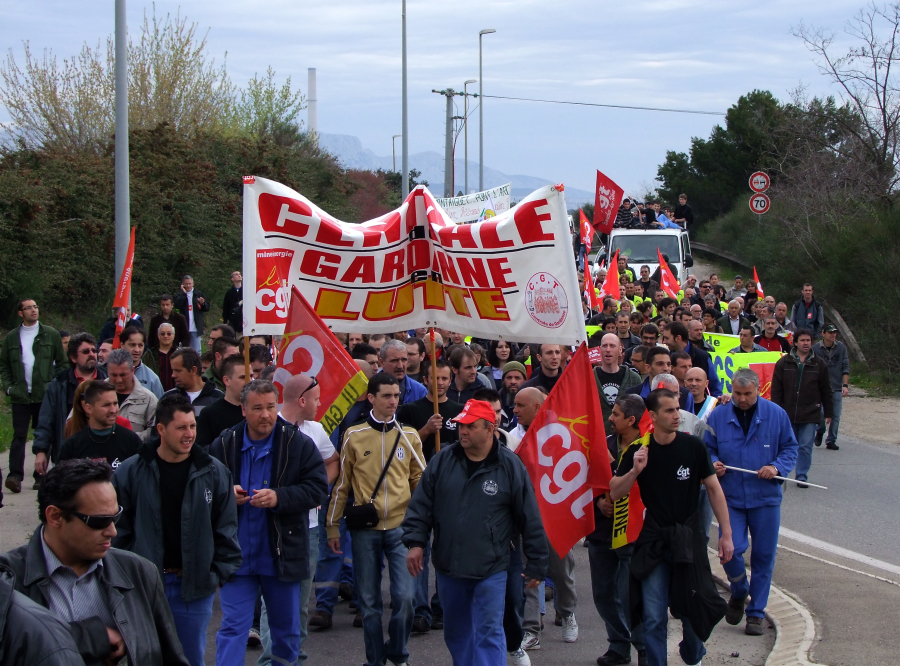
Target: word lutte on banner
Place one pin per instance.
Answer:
(123, 291)
(566, 457)
(510, 277)
(607, 199)
(477, 206)
(309, 348)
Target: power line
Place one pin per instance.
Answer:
(609, 106)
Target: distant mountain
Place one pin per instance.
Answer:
(351, 153)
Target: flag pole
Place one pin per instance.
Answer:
(434, 393)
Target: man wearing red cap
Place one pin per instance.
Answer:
(476, 495)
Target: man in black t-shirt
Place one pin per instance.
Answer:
(669, 471)
(225, 412)
(177, 490)
(101, 439)
(611, 378)
(420, 413)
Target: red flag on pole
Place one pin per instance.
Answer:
(587, 231)
(759, 287)
(590, 293)
(611, 285)
(123, 293)
(309, 347)
(628, 511)
(566, 457)
(667, 281)
(607, 199)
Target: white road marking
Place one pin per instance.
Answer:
(839, 566)
(840, 552)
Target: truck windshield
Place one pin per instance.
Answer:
(641, 248)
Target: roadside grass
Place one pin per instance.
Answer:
(6, 427)
(876, 383)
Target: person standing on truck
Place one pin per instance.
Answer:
(684, 216)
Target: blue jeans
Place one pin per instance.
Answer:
(331, 569)
(196, 343)
(191, 619)
(837, 398)
(473, 621)
(423, 609)
(655, 594)
(609, 583)
(762, 525)
(305, 585)
(238, 598)
(806, 437)
(370, 548)
(514, 609)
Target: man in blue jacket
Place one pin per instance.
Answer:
(753, 434)
(475, 494)
(279, 476)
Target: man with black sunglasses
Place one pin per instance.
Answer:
(112, 601)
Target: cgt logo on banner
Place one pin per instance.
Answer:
(566, 457)
(412, 267)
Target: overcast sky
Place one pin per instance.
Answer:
(683, 54)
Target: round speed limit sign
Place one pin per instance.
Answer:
(759, 204)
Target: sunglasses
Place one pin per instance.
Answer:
(309, 388)
(97, 522)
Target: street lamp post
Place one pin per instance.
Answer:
(481, 33)
(466, 129)
(394, 149)
(404, 129)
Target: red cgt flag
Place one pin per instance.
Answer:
(565, 453)
(309, 347)
(587, 231)
(667, 281)
(607, 199)
(759, 287)
(123, 293)
(611, 286)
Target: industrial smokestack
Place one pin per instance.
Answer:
(313, 119)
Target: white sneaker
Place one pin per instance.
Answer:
(520, 658)
(570, 629)
(531, 641)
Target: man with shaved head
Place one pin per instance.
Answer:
(301, 400)
(612, 378)
(561, 570)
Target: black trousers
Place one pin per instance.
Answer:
(22, 417)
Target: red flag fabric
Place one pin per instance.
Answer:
(611, 285)
(309, 347)
(759, 287)
(590, 292)
(607, 199)
(123, 292)
(587, 231)
(667, 281)
(565, 453)
(766, 372)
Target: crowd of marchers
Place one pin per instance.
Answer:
(165, 476)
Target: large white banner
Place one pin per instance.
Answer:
(477, 206)
(512, 276)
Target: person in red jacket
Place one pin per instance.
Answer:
(770, 339)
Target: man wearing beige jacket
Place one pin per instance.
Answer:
(136, 403)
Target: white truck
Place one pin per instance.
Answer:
(639, 247)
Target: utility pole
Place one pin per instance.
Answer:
(404, 126)
(449, 93)
(312, 108)
(394, 149)
(466, 129)
(123, 203)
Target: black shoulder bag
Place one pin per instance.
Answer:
(364, 516)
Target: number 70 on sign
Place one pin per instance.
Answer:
(760, 203)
